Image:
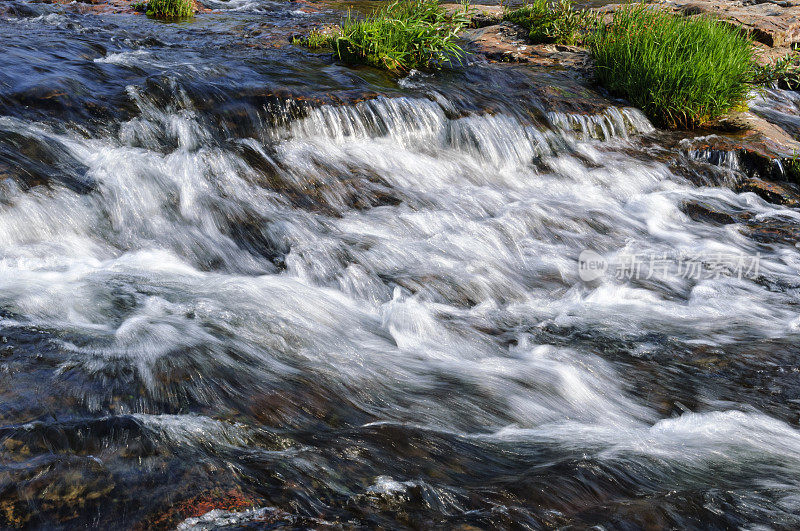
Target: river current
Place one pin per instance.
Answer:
(237, 275)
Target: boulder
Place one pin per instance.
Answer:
(508, 43)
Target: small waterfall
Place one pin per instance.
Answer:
(726, 159)
(611, 123)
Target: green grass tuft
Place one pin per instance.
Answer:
(783, 73)
(552, 21)
(315, 39)
(791, 168)
(170, 8)
(403, 35)
(680, 71)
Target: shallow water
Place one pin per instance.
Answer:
(235, 275)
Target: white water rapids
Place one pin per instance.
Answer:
(387, 250)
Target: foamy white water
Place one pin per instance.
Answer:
(395, 265)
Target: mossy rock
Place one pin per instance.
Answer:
(345, 51)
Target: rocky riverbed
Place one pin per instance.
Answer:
(244, 285)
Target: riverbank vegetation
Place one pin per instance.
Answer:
(680, 71)
(403, 35)
(552, 21)
(169, 8)
(782, 73)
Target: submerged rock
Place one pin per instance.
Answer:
(700, 211)
(771, 231)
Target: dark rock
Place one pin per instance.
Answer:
(32, 162)
(694, 9)
(18, 9)
(745, 143)
(700, 211)
(505, 42)
(773, 231)
(770, 191)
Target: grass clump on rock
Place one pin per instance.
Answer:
(314, 39)
(403, 35)
(782, 73)
(552, 21)
(680, 71)
(170, 8)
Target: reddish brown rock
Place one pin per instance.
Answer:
(770, 191)
(232, 499)
(772, 231)
(767, 136)
(505, 42)
(747, 143)
(508, 43)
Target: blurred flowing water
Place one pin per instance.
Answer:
(232, 269)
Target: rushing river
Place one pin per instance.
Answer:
(235, 275)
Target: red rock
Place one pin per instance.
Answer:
(769, 191)
(230, 500)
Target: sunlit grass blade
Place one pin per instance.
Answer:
(680, 71)
(401, 36)
(170, 8)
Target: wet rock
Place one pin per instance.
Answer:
(751, 125)
(767, 231)
(58, 94)
(230, 500)
(699, 211)
(14, 512)
(508, 43)
(741, 154)
(33, 162)
(56, 488)
(773, 231)
(770, 191)
(18, 9)
(745, 143)
(505, 42)
(261, 517)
